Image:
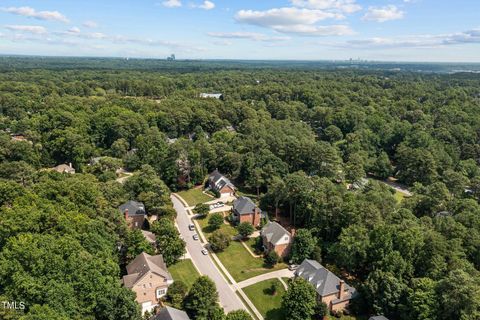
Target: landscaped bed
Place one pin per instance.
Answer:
(270, 306)
(194, 196)
(184, 271)
(242, 265)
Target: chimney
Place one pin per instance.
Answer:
(292, 232)
(341, 289)
(70, 165)
(126, 214)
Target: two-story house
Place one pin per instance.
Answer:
(149, 278)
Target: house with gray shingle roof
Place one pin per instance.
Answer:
(221, 184)
(169, 313)
(149, 278)
(134, 213)
(276, 238)
(245, 210)
(378, 318)
(331, 290)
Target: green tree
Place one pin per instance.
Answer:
(238, 315)
(215, 221)
(135, 244)
(201, 209)
(201, 299)
(303, 245)
(176, 293)
(245, 229)
(219, 240)
(169, 243)
(299, 301)
(272, 258)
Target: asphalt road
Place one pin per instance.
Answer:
(228, 298)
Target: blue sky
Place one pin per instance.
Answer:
(390, 30)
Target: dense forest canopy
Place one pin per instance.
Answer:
(294, 136)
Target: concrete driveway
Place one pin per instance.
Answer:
(228, 298)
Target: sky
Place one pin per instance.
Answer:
(383, 30)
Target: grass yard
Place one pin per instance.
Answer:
(270, 306)
(252, 244)
(184, 271)
(194, 196)
(240, 263)
(203, 222)
(399, 196)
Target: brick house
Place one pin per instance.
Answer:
(149, 278)
(276, 238)
(244, 210)
(331, 290)
(134, 213)
(217, 182)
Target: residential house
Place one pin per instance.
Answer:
(211, 95)
(221, 184)
(331, 290)
(149, 278)
(276, 238)
(244, 210)
(377, 318)
(19, 137)
(169, 313)
(64, 168)
(134, 213)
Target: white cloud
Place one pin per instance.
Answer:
(40, 15)
(347, 6)
(90, 24)
(284, 16)
(382, 14)
(27, 29)
(207, 5)
(172, 3)
(247, 35)
(292, 20)
(74, 30)
(317, 31)
(417, 41)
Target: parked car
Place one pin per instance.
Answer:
(195, 236)
(191, 227)
(217, 205)
(293, 267)
(205, 252)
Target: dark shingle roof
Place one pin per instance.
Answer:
(274, 232)
(218, 181)
(169, 313)
(324, 281)
(243, 205)
(141, 265)
(378, 318)
(133, 207)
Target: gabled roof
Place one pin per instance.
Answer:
(64, 168)
(149, 236)
(324, 281)
(244, 205)
(169, 313)
(274, 232)
(377, 318)
(218, 181)
(142, 264)
(134, 208)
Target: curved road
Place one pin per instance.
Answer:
(228, 298)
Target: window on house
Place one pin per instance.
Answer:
(161, 292)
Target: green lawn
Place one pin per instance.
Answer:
(242, 265)
(194, 196)
(203, 222)
(184, 271)
(252, 244)
(399, 196)
(270, 306)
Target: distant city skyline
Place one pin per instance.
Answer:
(381, 30)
